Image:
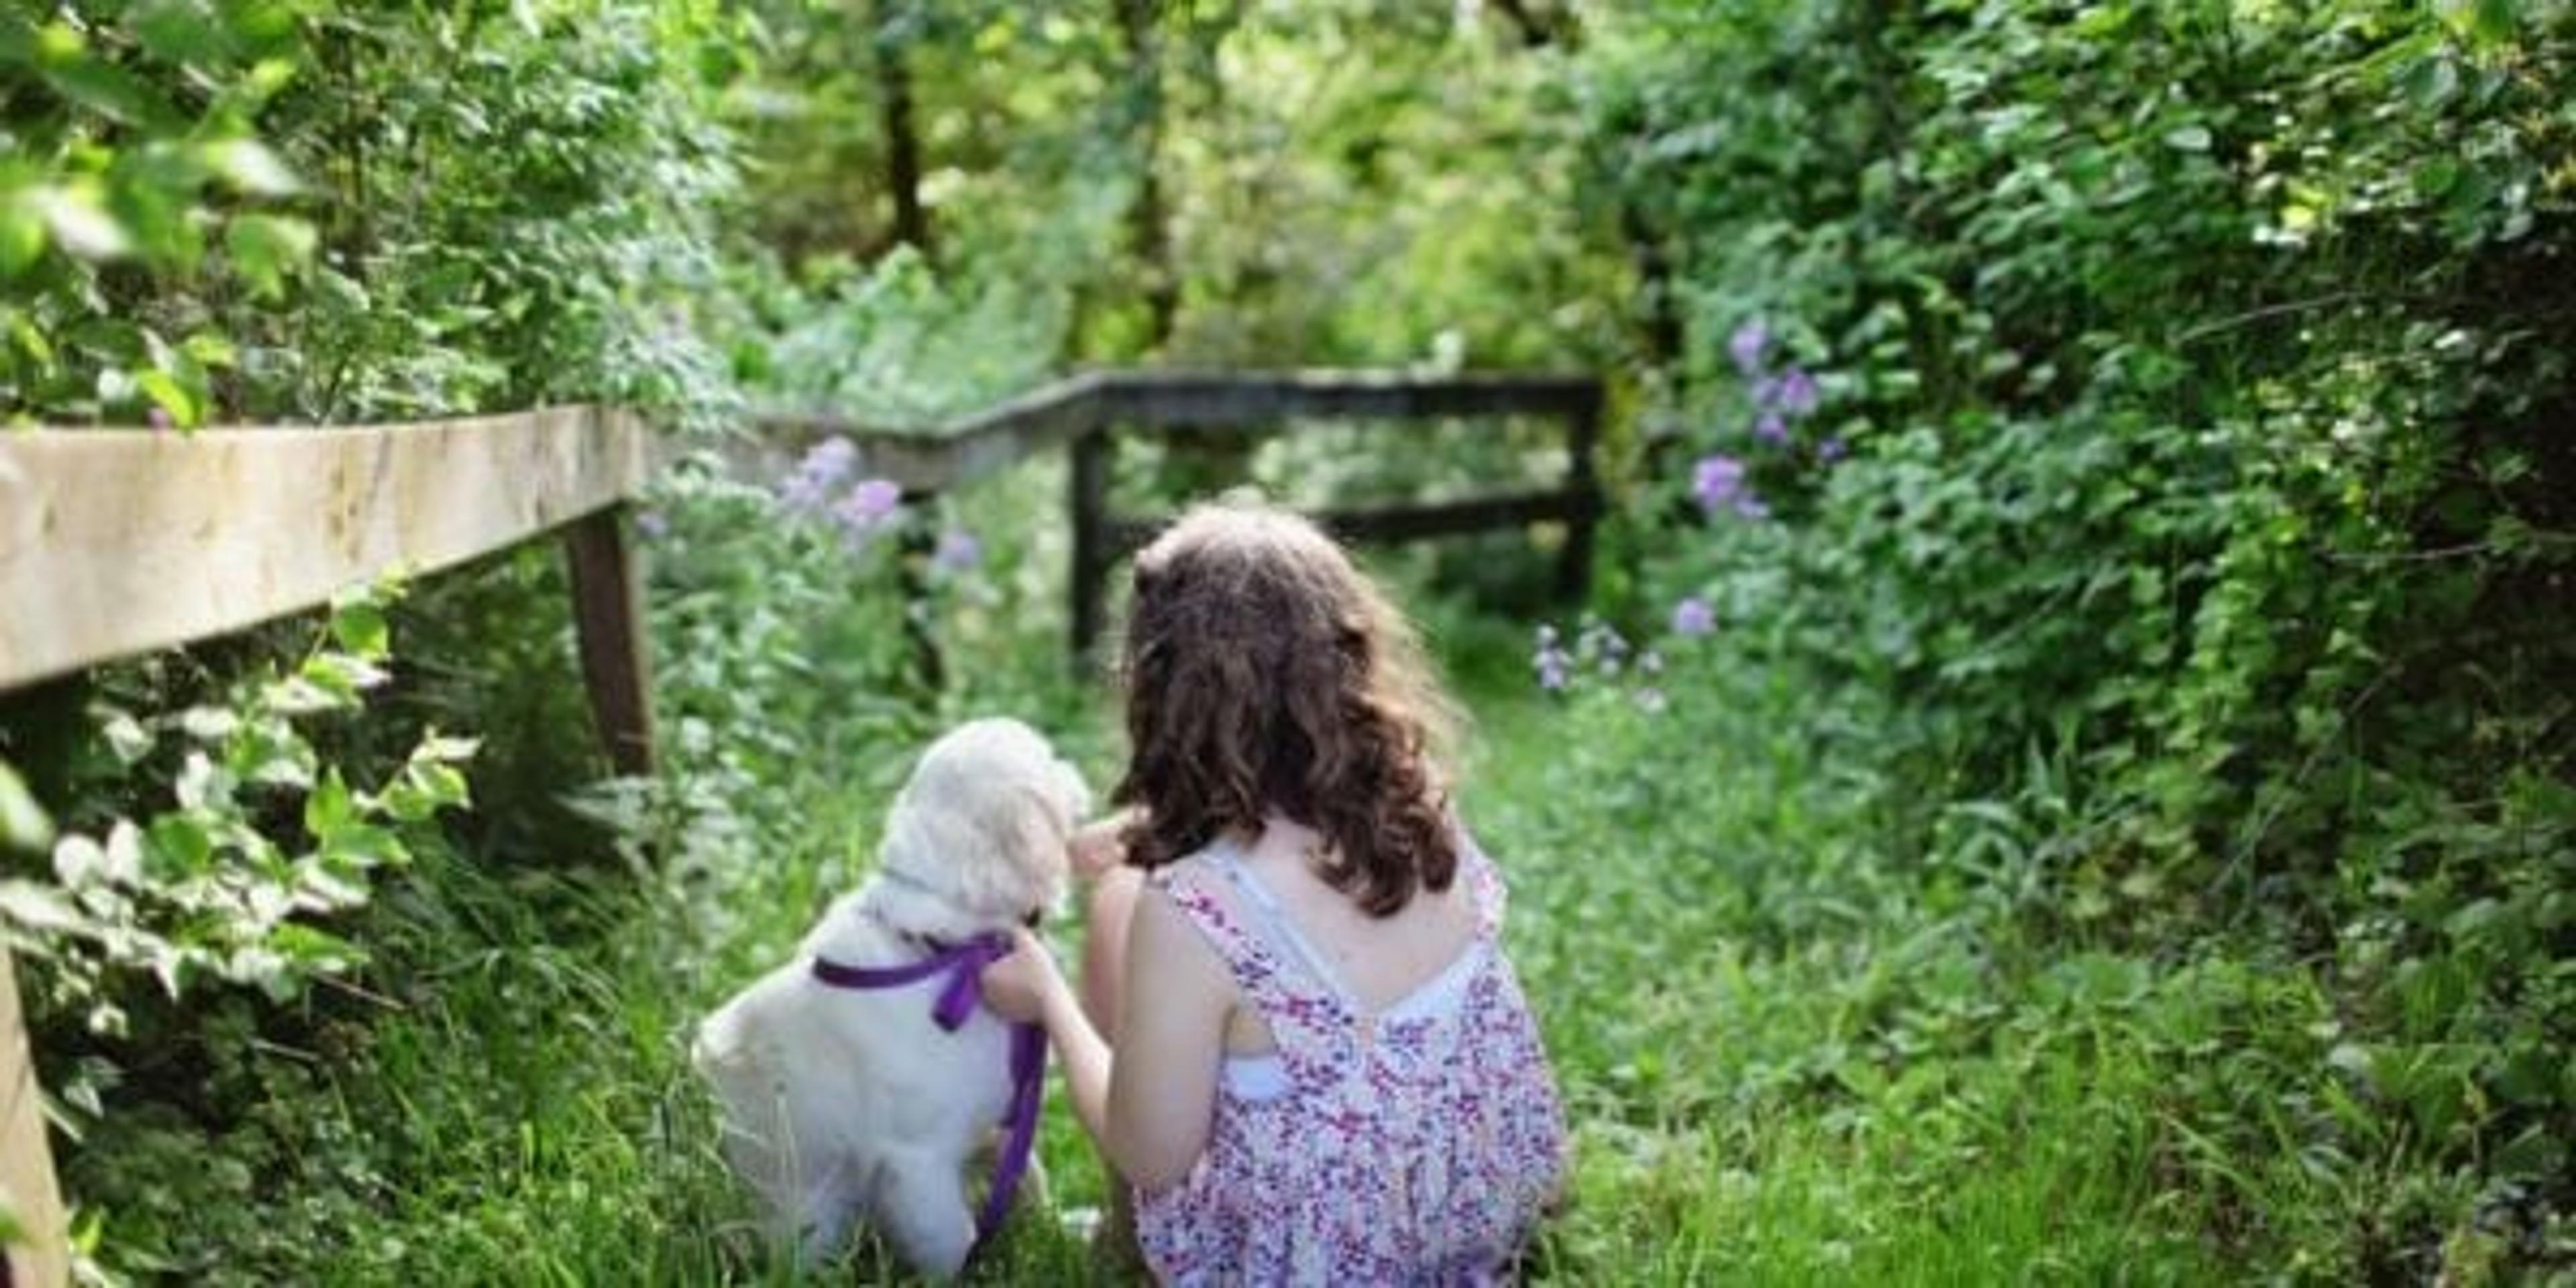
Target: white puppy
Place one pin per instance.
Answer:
(841, 1103)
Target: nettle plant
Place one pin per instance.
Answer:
(227, 877)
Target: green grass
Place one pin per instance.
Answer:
(1732, 1125)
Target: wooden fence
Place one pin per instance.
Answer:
(1086, 413)
(119, 542)
(115, 543)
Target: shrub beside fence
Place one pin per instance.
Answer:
(120, 542)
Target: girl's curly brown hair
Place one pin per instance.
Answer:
(1266, 674)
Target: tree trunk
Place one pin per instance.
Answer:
(1149, 234)
(902, 136)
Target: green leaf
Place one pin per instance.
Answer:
(360, 627)
(2482, 22)
(169, 395)
(2189, 138)
(209, 723)
(39, 907)
(176, 31)
(30, 341)
(108, 90)
(79, 220)
(330, 809)
(267, 248)
(22, 236)
(183, 844)
(23, 824)
(318, 949)
(251, 167)
(343, 674)
(210, 349)
(126, 736)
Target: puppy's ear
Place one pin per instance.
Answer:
(1033, 837)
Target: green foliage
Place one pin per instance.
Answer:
(262, 211)
(200, 886)
(133, 141)
(1798, 1051)
(2203, 373)
(898, 347)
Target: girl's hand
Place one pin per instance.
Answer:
(1096, 849)
(1018, 987)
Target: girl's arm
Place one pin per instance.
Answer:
(1151, 1103)
(1171, 1043)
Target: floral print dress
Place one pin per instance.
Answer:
(1413, 1145)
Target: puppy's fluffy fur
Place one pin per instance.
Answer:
(842, 1104)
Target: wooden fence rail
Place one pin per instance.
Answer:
(119, 542)
(1086, 412)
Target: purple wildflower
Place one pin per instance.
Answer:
(1747, 345)
(1832, 449)
(870, 506)
(1795, 393)
(1551, 670)
(1749, 506)
(1792, 393)
(958, 551)
(156, 417)
(1550, 660)
(1771, 429)
(824, 467)
(1694, 617)
(1716, 481)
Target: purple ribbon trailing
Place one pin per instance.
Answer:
(964, 965)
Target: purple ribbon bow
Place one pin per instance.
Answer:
(964, 965)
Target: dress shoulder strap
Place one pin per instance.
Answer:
(1247, 954)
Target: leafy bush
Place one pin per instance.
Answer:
(197, 887)
(266, 212)
(2186, 470)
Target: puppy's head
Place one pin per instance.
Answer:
(984, 821)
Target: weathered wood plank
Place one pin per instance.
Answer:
(27, 1186)
(1124, 536)
(1209, 400)
(116, 542)
(942, 457)
(608, 625)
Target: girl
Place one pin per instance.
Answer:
(1323, 1070)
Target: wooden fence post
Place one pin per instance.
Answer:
(608, 620)
(1089, 501)
(1583, 482)
(918, 546)
(26, 1164)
